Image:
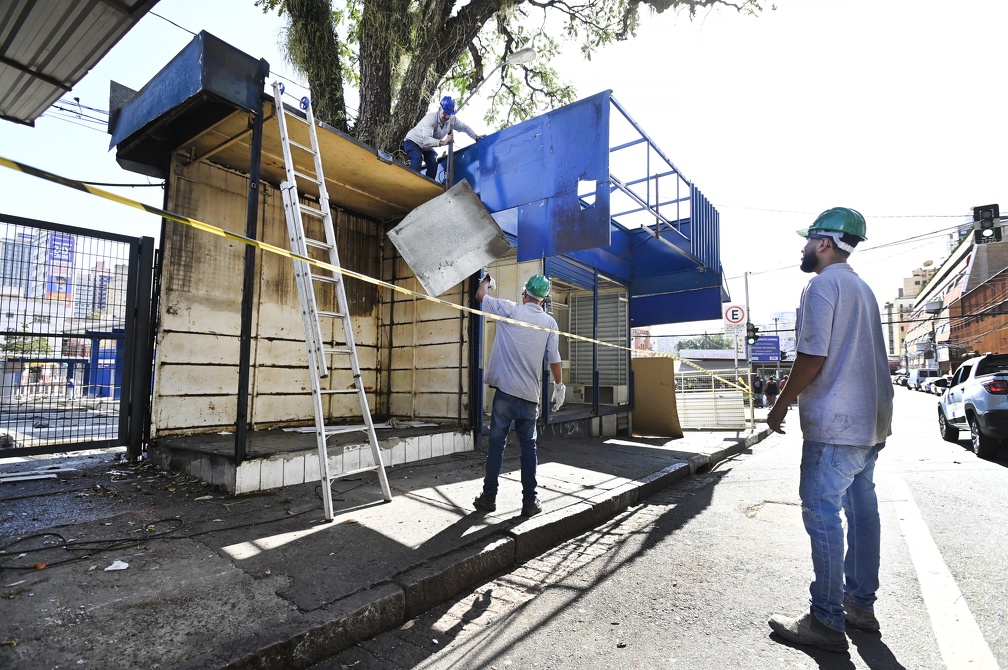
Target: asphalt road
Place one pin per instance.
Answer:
(689, 579)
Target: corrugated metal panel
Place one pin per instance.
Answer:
(570, 271)
(612, 327)
(47, 46)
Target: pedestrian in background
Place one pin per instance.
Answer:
(771, 390)
(514, 371)
(757, 391)
(435, 129)
(841, 373)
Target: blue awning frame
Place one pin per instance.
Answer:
(587, 182)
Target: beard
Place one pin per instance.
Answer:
(809, 261)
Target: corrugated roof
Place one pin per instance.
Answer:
(47, 46)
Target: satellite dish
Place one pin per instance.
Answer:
(928, 264)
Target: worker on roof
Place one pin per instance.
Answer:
(435, 129)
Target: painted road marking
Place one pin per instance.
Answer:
(960, 641)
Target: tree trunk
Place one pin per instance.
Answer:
(313, 47)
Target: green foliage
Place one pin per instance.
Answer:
(401, 55)
(26, 345)
(717, 341)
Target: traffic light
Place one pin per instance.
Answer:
(752, 334)
(986, 224)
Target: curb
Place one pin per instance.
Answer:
(310, 638)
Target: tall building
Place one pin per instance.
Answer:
(16, 267)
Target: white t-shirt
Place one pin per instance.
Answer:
(516, 360)
(850, 401)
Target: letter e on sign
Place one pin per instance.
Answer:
(734, 319)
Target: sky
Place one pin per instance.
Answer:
(892, 107)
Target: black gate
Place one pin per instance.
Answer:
(75, 338)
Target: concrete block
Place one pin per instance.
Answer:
(365, 456)
(335, 463)
(610, 425)
(664, 478)
(412, 450)
(543, 531)
(271, 474)
(312, 471)
(424, 447)
(610, 503)
(248, 476)
(294, 470)
(306, 640)
(437, 445)
(443, 578)
(397, 453)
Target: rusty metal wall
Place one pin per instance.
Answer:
(196, 368)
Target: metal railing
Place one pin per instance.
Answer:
(719, 399)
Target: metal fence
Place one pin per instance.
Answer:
(74, 327)
(720, 399)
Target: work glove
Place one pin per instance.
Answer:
(492, 285)
(559, 393)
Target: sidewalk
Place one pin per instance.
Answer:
(217, 581)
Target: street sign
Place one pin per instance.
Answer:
(766, 350)
(734, 320)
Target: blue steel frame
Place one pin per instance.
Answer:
(586, 183)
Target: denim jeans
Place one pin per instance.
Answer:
(508, 409)
(834, 477)
(418, 156)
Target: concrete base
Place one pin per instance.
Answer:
(280, 458)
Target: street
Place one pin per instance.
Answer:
(689, 578)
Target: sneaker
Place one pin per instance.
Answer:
(860, 618)
(532, 508)
(485, 503)
(807, 629)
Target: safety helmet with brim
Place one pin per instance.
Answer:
(836, 223)
(538, 287)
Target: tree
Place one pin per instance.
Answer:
(26, 345)
(402, 54)
(717, 341)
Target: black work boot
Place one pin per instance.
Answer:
(807, 629)
(531, 508)
(485, 503)
(859, 618)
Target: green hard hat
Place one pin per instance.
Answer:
(538, 287)
(838, 220)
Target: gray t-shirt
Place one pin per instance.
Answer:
(850, 401)
(516, 359)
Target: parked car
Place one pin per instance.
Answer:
(916, 377)
(899, 379)
(938, 389)
(976, 399)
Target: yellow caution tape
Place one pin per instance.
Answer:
(269, 248)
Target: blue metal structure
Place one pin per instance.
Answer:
(587, 189)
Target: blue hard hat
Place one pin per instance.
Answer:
(448, 105)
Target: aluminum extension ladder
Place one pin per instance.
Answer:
(310, 281)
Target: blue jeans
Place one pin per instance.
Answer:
(835, 476)
(508, 409)
(417, 157)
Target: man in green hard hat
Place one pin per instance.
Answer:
(841, 379)
(516, 362)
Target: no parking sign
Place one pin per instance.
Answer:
(735, 320)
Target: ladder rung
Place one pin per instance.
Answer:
(307, 177)
(297, 118)
(333, 351)
(312, 211)
(301, 147)
(317, 244)
(324, 279)
(337, 392)
(331, 315)
(370, 468)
